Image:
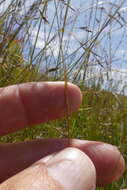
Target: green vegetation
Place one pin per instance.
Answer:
(103, 114)
(101, 118)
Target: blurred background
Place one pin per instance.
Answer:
(83, 42)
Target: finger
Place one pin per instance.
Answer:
(32, 103)
(69, 169)
(108, 161)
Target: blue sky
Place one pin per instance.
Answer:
(83, 9)
(81, 17)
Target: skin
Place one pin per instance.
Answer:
(33, 103)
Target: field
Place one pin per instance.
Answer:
(81, 43)
(102, 117)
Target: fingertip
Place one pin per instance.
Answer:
(108, 161)
(74, 96)
(113, 165)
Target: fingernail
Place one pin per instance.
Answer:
(72, 169)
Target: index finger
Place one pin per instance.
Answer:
(33, 103)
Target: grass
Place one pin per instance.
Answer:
(100, 118)
(83, 38)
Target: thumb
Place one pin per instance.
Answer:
(68, 169)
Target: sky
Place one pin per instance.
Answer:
(80, 16)
(83, 11)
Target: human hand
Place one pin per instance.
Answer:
(33, 103)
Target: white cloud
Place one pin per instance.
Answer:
(122, 52)
(123, 9)
(5, 5)
(40, 42)
(77, 34)
(119, 80)
(54, 46)
(116, 81)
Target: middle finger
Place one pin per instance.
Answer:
(108, 161)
